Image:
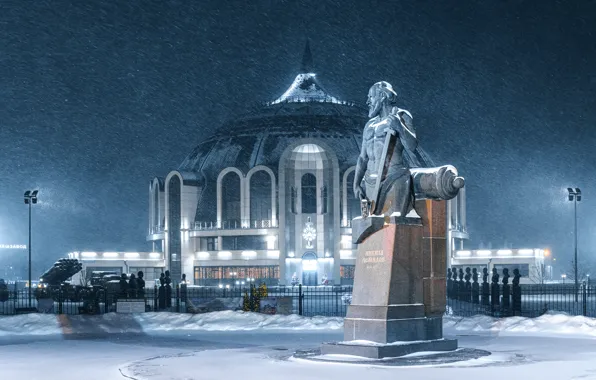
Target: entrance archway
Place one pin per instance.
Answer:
(309, 269)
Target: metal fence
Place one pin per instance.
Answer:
(527, 300)
(465, 299)
(303, 300)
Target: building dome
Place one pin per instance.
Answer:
(269, 194)
(304, 112)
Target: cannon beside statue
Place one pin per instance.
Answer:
(439, 184)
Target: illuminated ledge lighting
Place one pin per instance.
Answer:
(464, 253)
(88, 254)
(224, 254)
(525, 251)
(249, 254)
(110, 254)
(504, 252)
(131, 254)
(483, 252)
(203, 255)
(273, 254)
(155, 255)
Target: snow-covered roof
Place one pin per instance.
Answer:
(305, 89)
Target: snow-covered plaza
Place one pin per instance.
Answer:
(227, 345)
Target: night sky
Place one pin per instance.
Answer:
(97, 97)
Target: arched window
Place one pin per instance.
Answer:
(174, 219)
(260, 196)
(352, 203)
(230, 198)
(156, 221)
(309, 194)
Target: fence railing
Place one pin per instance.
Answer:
(234, 224)
(301, 300)
(156, 229)
(464, 298)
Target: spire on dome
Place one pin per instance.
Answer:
(306, 66)
(306, 88)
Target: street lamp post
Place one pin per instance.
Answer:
(575, 195)
(30, 198)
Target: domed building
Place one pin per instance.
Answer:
(268, 198)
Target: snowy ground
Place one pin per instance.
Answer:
(226, 345)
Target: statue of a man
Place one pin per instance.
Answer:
(387, 179)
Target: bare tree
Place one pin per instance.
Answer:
(539, 275)
(584, 268)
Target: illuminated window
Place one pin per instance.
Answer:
(230, 199)
(230, 274)
(347, 271)
(260, 196)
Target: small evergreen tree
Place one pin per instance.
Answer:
(246, 302)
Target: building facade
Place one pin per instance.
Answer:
(268, 197)
(152, 264)
(529, 262)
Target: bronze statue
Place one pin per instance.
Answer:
(383, 180)
(387, 179)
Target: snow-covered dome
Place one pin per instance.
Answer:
(305, 112)
(305, 88)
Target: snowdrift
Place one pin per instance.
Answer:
(554, 324)
(29, 324)
(48, 324)
(234, 321)
(548, 324)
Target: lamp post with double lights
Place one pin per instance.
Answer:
(575, 195)
(30, 199)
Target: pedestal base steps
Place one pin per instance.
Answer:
(391, 350)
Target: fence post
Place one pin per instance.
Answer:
(337, 295)
(177, 298)
(60, 300)
(299, 299)
(105, 299)
(495, 294)
(155, 298)
(584, 298)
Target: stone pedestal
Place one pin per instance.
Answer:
(399, 291)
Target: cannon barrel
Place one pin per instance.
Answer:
(441, 183)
